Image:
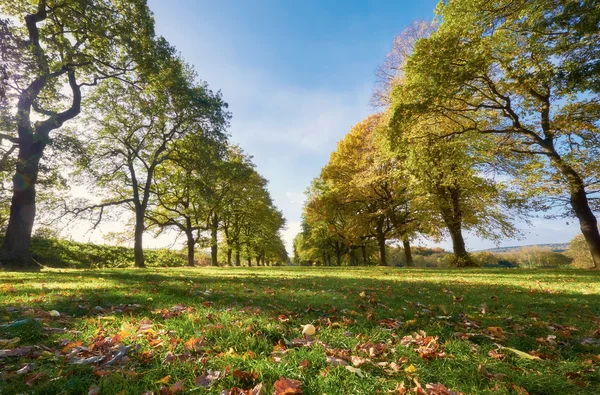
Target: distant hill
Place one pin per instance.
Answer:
(556, 247)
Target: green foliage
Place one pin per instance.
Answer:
(580, 253)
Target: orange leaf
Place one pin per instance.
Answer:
(285, 386)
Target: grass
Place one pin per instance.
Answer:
(175, 325)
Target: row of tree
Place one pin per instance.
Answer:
(486, 115)
(144, 135)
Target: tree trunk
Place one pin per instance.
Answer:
(458, 246)
(138, 248)
(249, 261)
(581, 207)
(381, 244)
(15, 252)
(191, 244)
(363, 249)
(407, 251)
(238, 261)
(214, 241)
(229, 252)
(258, 260)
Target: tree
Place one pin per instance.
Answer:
(135, 129)
(521, 73)
(372, 182)
(175, 201)
(391, 72)
(453, 177)
(60, 43)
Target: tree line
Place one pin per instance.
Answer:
(89, 86)
(486, 114)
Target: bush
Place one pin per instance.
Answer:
(579, 252)
(537, 257)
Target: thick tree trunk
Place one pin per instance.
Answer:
(249, 261)
(15, 252)
(191, 244)
(588, 224)
(238, 261)
(258, 260)
(458, 246)
(382, 252)
(363, 249)
(138, 249)
(229, 253)
(407, 251)
(581, 207)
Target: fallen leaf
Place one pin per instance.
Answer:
(207, 379)
(94, 390)
(357, 361)
(483, 370)
(305, 364)
(359, 372)
(336, 361)
(522, 354)
(285, 386)
(164, 380)
(439, 389)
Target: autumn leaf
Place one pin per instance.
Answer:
(522, 354)
(359, 372)
(336, 361)
(207, 379)
(194, 344)
(285, 386)
(357, 361)
(164, 380)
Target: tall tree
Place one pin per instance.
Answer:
(176, 193)
(135, 129)
(523, 74)
(62, 43)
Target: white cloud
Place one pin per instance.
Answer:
(296, 198)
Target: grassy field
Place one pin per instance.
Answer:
(229, 330)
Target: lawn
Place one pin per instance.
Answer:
(233, 330)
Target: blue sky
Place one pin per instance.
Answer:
(297, 75)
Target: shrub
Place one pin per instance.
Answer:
(579, 252)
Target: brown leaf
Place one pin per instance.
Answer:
(244, 376)
(483, 370)
(400, 389)
(357, 361)
(194, 344)
(519, 390)
(439, 389)
(207, 379)
(285, 386)
(336, 361)
(305, 364)
(495, 354)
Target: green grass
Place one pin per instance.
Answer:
(238, 316)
